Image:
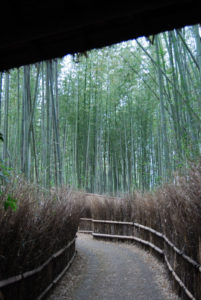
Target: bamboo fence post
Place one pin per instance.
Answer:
(198, 282)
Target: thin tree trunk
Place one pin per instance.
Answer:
(6, 106)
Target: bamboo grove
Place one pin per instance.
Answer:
(113, 120)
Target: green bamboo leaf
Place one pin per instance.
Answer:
(10, 202)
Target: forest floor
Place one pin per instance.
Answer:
(108, 270)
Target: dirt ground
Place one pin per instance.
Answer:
(106, 270)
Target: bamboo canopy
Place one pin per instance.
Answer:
(33, 30)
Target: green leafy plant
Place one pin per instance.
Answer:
(10, 202)
(4, 173)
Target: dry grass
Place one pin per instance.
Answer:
(174, 209)
(43, 223)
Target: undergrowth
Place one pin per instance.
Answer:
(39, 224)
(173, 209)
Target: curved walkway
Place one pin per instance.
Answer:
(117, 271)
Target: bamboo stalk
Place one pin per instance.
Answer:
(86, 231)
(128, 237)
(10, 280)
(112, 222)
(37, 270)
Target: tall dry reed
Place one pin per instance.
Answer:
(173, 209)
(43, 223)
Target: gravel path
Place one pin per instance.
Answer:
(105, 270)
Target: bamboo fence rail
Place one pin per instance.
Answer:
(185, 271)
(35, 284)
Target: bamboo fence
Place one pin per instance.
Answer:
(185, 272)
(35, 284)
